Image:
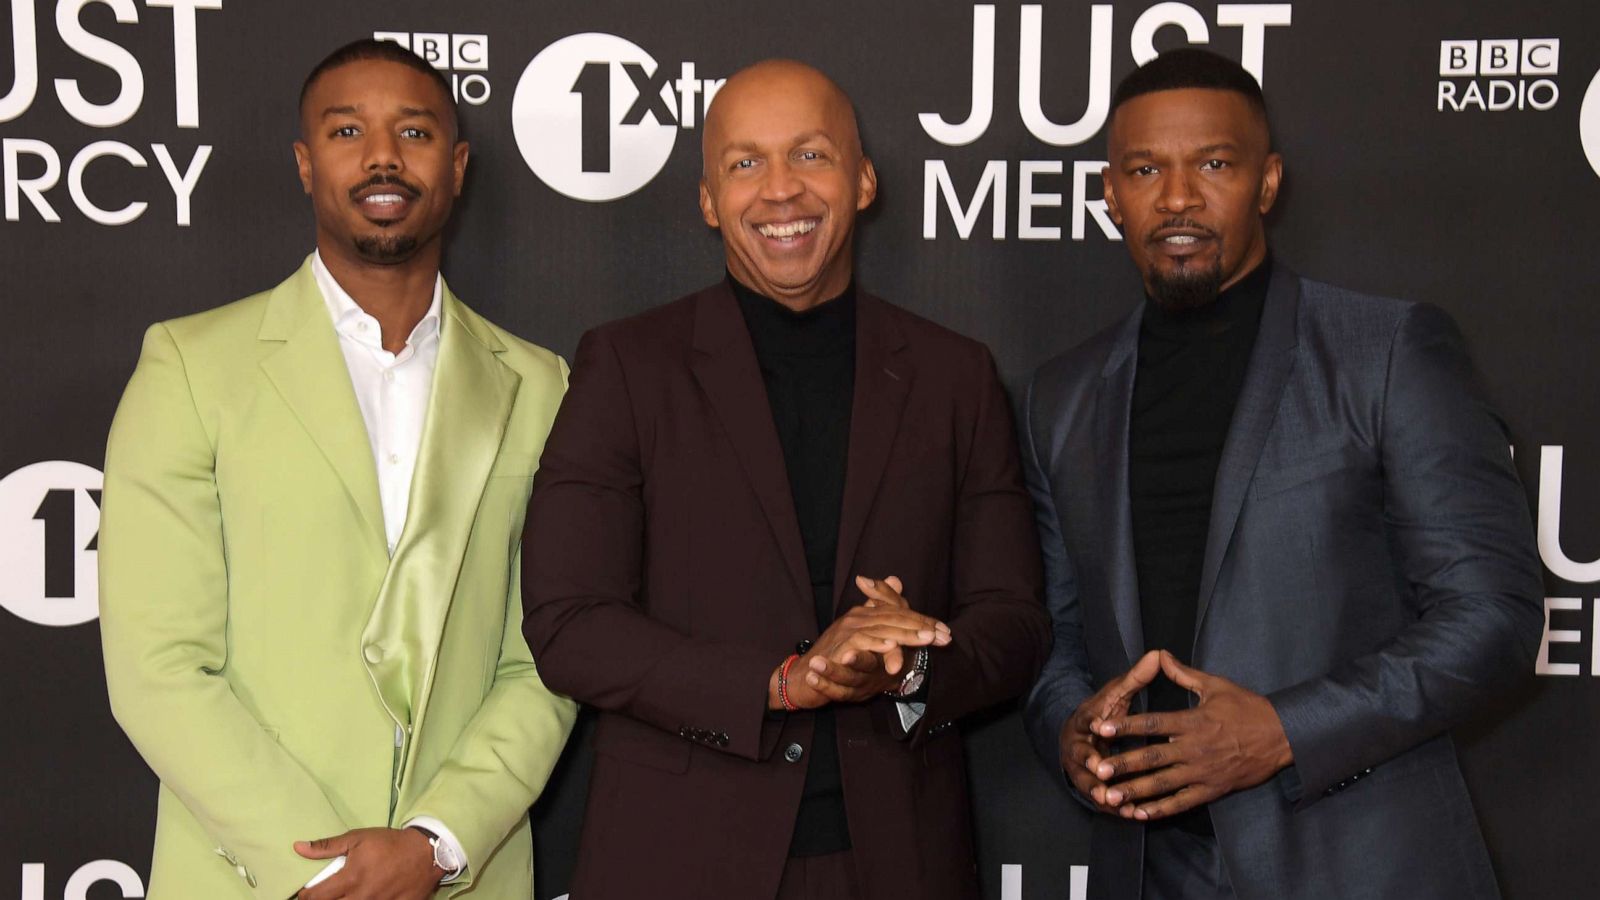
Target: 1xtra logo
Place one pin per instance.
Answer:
(49, 533)
(596, 118)
(1589, 123)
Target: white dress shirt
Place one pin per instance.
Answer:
(392, 390)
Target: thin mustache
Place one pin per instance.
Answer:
(1180, 223)
(381, 180)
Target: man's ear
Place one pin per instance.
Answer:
(460, 154)
(302, 162)
(1111, 196)
(1271, 179)
(708, 210)
(866, 184)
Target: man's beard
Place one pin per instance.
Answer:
(386, 249)
(1190, 287)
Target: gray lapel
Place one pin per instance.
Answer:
(1113, 406)
(1270, 364)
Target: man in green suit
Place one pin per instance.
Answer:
(309, 572)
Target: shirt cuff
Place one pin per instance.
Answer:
(447, 838)
(910, 714)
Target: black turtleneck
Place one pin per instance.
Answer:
(807, 362)
(1190, 370)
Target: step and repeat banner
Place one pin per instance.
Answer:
(1441, 150)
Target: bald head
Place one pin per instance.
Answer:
(773, 81)
(784, 177)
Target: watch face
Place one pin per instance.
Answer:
(444, 856)
(912, 684)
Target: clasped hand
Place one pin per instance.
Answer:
(380, 864)
(862, 654)
(1231, 740)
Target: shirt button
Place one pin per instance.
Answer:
(394, 459)
(373, 654)
(388, 375)
(361, 326)
(793, 752)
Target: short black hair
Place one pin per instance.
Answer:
(1191, 67)
(388, 51)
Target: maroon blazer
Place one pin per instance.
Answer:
(664, 578)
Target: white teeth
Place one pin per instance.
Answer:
(382, 198)
(1182, 239)
(790, 230)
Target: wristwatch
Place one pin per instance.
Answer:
(915, 676)
(444, 855)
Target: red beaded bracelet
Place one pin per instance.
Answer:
(783, 684)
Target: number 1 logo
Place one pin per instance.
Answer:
(593, 115)
(49, 551)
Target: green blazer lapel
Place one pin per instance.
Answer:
(309, 372)
(473, 393)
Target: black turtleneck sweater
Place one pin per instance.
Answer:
(807, 362)
(1190, 371)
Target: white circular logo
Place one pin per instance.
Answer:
(49, 528)
(586, 120)
(1589, 123)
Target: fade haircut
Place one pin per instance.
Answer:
(1191, 67)
(387, 51)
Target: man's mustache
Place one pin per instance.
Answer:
(1180, 222)
(380, 180)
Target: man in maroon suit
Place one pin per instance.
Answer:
(779, 538)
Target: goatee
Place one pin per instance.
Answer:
(386, 249)
(1190, 287)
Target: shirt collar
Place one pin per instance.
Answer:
(348, 315)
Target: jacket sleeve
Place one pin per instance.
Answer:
(1065, 682)
(1001, 630)
(504, 756)
(1463, 542)
(581, 592)
(163, 625)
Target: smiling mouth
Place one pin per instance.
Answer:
(788, 231)
(384, 207)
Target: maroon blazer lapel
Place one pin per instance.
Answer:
(883, 381)
(724, 364)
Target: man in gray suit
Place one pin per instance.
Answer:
(1286, 548)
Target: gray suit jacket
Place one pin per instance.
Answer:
(1370, 568)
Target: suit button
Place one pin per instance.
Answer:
(373, 654)
(803, 647)
(793, 752)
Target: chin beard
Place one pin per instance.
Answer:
(1190, 287)
(386, 249)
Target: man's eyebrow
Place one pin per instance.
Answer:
(814, 135)
(339, 111)
(425, 113)
(1136, 153)
(1214, 148)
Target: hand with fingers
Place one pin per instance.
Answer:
(1083, 750)
(1231, 740)
(861, 654)
(380, 864)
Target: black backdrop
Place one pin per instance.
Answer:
(1441, 150)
